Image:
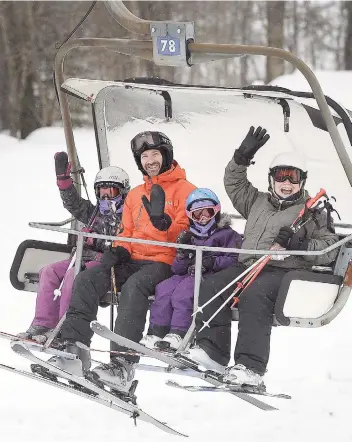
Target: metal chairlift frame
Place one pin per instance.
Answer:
(197, 53)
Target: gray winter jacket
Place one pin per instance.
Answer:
(85, 212)
(266, 214)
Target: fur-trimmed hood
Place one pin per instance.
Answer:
(225, 220)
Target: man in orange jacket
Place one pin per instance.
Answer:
(154, 211)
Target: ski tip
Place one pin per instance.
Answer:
(283, 396)
(18, 346)
(95, 325)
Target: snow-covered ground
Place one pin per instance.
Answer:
(314, 366)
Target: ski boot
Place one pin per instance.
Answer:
(33, 332)
(78, 366)
(201, 357)
(170, 342)
(118, 375)
(240, 375)
(149, 341)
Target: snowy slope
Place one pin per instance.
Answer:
(336, 85)
(314, 366)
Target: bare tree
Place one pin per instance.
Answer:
(30, 31)
(275, 31)
(348, 37)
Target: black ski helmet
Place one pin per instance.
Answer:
(152, 140)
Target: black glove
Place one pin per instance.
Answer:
(62, 166)
(284, 237)
(299, 241)
(207, 265)
(185, 237)
(291, 241)
(253, 141)
(62, 170)
(156, 207)
(114, 256)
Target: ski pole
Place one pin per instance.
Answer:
(295, 226)
(260, 264)
(256, 270)
(200, 308)
(57, 292)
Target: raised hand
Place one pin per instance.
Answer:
(62, 170)
(254, 140)
(156, 208)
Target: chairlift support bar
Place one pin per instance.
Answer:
(198, 53)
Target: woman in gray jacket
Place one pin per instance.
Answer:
(269, 216)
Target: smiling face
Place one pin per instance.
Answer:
(286, 189)
(152, 161)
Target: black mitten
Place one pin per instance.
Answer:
(62, 170)
(114, 256)
(207, 265)
(185, 237)
(156, 207)
(253, 141)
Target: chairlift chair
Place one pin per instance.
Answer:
(119, 108)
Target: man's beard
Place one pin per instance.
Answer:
(153, 169)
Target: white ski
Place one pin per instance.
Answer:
(132, 410)
(174, 360)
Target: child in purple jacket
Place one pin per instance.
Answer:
(171, 312)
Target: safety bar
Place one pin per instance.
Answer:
(198, 262)
(56, 223)
(192, 247)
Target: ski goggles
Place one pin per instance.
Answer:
(109, 191)
(203, 214)
(292, 174)
(148, 140)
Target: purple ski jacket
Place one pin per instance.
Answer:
(223, 236)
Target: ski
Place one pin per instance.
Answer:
(175, 360)
(11, 337)
(65, 387)
(33, 345)
(226, 387)
(92, 389)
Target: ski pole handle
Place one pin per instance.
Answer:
(311, 201)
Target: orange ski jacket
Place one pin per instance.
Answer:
(136, 222)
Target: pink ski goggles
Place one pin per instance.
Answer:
(203, 214)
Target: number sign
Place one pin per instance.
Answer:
(168, 46)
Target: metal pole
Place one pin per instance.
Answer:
(136, 48)
(197, 280)
(126, 18)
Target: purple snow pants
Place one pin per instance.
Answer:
(47, 311)
(173, 305)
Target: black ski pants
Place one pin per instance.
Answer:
(256, 309)
(137, 281)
